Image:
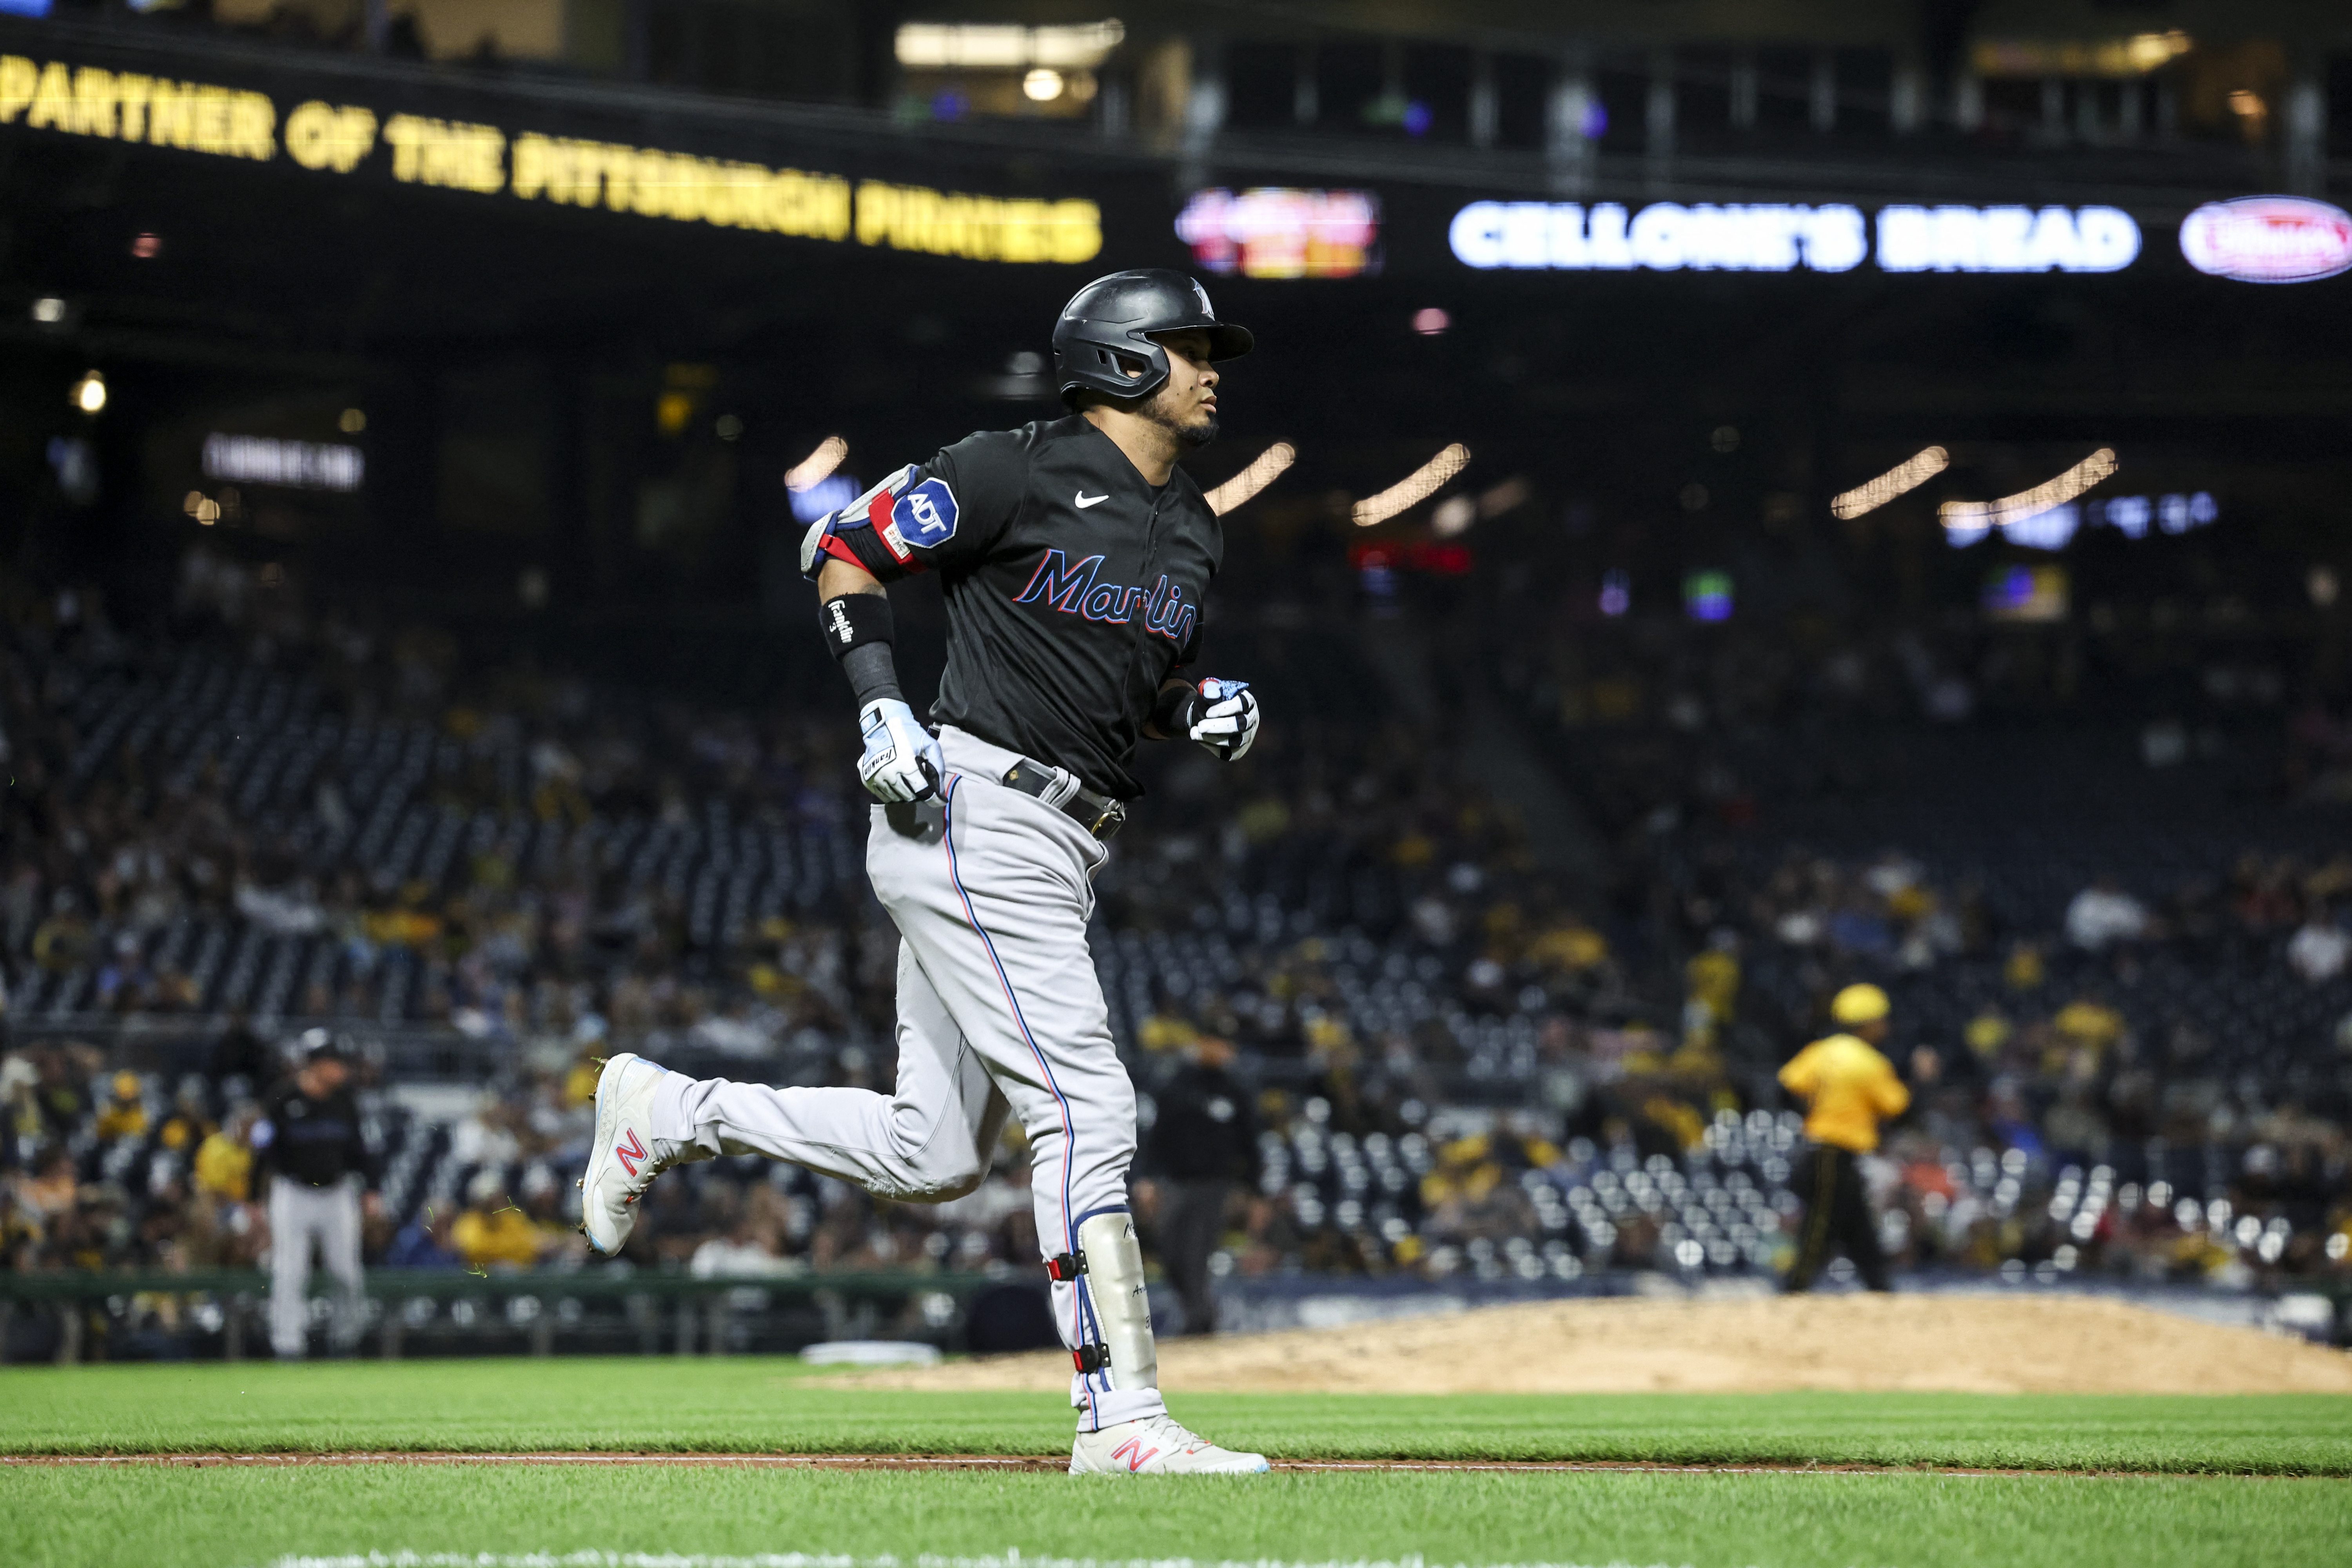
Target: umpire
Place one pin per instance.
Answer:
(1204, 1141)
(310, 1147)
(1848, 1088)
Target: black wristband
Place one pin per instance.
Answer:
(853, 620)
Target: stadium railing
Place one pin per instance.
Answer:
(687, 1312)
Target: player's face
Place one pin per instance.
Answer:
(1187, 405)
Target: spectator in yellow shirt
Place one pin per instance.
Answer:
(1848, 1088)
(494, 1232)
(225, 1159)
(124, 1115)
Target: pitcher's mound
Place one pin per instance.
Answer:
(2034, 1344)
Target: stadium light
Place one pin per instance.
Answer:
(1511, 493)
(1897, 480)
(1415, 488)
(89, 394)
(1261, 472)
(1975, 516)
(817, 466)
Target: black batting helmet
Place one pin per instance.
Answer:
(1117, 317)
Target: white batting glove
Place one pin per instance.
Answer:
(902, 760)
(1225, 718)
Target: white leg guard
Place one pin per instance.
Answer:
(1118, 1376)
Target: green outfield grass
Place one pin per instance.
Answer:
(2242, 1481)
(247, 1519)
(776, 1406)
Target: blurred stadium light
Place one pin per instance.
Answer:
(1897, 480)
(1974, 518)
(1413, 489)
(1262, 471)
(805, 474)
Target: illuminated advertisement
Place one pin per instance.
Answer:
(297, 465)
(1667, 237)
(2268, 240)
(485, 160)
(1273, 231)
(1664, 237)
(2006, 239)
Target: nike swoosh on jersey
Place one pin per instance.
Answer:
(1086, 500)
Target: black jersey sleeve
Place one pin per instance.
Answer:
(941, 515)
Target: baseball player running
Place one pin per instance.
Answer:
(1074, 555)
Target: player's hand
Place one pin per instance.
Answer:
(902, 760)
(1224, 718)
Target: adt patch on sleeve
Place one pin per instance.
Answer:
(926, 515)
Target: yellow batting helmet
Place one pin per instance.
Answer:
(1859, 1004)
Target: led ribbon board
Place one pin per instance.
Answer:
(1275, 232)
(1668, 236)
(341, 139)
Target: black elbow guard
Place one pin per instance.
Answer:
(853, 620)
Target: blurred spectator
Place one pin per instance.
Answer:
(124, 1112)
(240, 1054)
(423, 1242)
(1203, 1145)
(224, 1162)
(2103, 914)
(493, 1232)
(2320, 949)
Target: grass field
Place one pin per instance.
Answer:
(2213, 1481)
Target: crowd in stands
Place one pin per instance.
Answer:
(275, 816)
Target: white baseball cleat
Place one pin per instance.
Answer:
(621, 1160)
(1157, 1446)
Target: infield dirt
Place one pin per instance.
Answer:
(2040, 1345)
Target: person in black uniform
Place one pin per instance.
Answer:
(1204, 1141)
(311, 1155)
(239, 1053)
(1076, 556)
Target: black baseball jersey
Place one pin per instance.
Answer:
(1074, 588)
(315, 1142)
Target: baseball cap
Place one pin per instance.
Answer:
(319, 1046)
(1861, 1003)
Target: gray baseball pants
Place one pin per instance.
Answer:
(300, 1214)
(998, 1007)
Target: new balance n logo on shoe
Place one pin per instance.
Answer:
(1134, 1453)
(630, 1153)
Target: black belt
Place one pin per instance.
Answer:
(1097, 814)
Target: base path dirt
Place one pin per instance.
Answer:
(2035, 1344)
